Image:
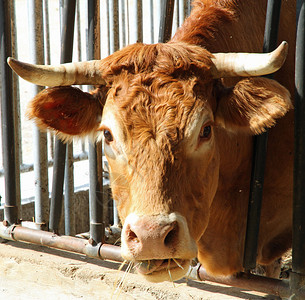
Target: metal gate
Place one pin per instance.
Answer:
(171, 12)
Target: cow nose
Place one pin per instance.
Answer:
(148, 237)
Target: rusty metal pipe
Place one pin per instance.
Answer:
(104, 251)
(249, 281)
(111, 252)
(67, 243)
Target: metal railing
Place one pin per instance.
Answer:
(118, 25)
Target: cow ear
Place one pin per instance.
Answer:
(66, 110)
(252, 105)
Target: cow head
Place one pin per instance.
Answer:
(161, 111)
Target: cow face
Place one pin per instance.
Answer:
(165, 119)
(163, 159)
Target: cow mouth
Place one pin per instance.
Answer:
(154, 266)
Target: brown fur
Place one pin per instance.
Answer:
(156, 93)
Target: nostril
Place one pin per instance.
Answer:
(131, 235)
(172, 235)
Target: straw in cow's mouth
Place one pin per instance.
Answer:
(148, 267)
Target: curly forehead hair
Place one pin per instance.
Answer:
(153, 87)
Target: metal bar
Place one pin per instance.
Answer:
(189, 8)
(166, 20)
(176, 16)
(139, 20)
(30, 167)
(182, 11)
(272, 25)
(50, 135)
(57, 185)
(36, 43)
(69, 193)
(97, 228)
(16, 109)
(7, 111)
(259, 151)
(46, 32)
(113, 26)
(157, 19)
(122, 23)
(69, 215)
(114, 46)
(79, 39)
(67, 243)
(249, 281)
(152, 33)
(60, 148)
(297, 278)
(110, 252)
(106, 23)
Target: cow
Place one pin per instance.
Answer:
(178, 121)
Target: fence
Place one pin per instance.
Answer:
(118, 18)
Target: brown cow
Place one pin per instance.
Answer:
(179, 140)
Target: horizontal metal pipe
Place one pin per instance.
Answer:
(110, 252)
(249, 281)
(30, 167)
(67, 243)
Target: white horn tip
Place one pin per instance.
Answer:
(15, 64)
(283, 48)
(279, 54)
(10, 61)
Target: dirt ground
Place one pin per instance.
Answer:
(35, 272)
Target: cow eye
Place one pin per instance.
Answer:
(205, 132)
(108, 136)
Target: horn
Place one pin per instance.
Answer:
(249, 64)
(79, 73)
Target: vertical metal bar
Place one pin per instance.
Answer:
(166, 20)
(260, 150)
(157, 19)
(114, 46)
(122, 23)
(61, 14)
(60, 148)
(139, 20)
(48, 62)
(182, 11)
(176, 15)
(16, 109)
(35, 14)
(68, 173)
(136, 22)
(106, 24)
(126, 21)
(69, 192)
(57, 185)
(113, 26)
(7, 110)
(272, 25)
(152, 33)
(78, 38)
(95, 190)
(297, 276)
(79, 50)
(46, 31)
(189, 8)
